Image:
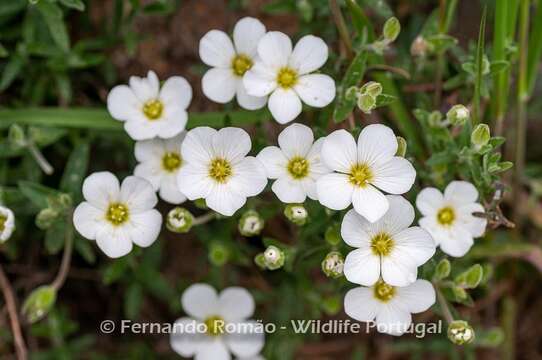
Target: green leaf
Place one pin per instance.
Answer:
(84, 248)
(392, 28)
(115, 270)
(479, 61)
(55, 236)
(359, 20)
(133, 299)
(470, 278)
(384, 99)
(489, 338)
(74, 4)
(440, 43)
(11, 71)
(75, 171)
(3, 51)
(37, 194)
(53, 17)
(354, 74)
(498, 66)
(442, 271)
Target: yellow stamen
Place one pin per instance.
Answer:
(383, 291)
(117, 214)
(360, 175)
(287, 77)
(220, 170)
(381, 244)
(3, 220)
(298, 167)
(171, 161)
(446, 216)
(241, 64)
(153, 109)
(215, 325)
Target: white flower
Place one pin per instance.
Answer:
(390, 306)
(217, 169)
(295, 164)
(118, 215)
(223, 319)
(362, 170)
(160, 162)
(230, 61)
(449, 218)
(148, 110)
(7, 223)
(388, 248)
(286, 76)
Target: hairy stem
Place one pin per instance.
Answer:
(66, 257)
(44, 165)
(444, 305)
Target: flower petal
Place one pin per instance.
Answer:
(219, 85)
(393, 320)
(176, 91)
(399, 216)
(101, 189)
(417, 297)
(334, 191)
(309, 54)
(362, 267)
(197, 147)
(235, 304)
(414, 243)
(151, 171)
(397, 270)
(354, 230)
(149, 150)
(249, 178)
(173, 122)
(289, 191)
(88, 219)
(296, 140)
(194, 181)
(461, 192)
(138, 194)
(260, 80)
(200, 301)
(376, 144)
(122, 103)
(284, 105)
(169, 190)
(274, 49)
(317, 166)
(248, 342)
(213, 349)
(455, 242)
(274, 161)
(145, 227)
(360, 304)
(225, 200)
(183, 341)
(231, 144)
(316, 90)
(216, 49)
(246, 34)
(369, 202)
(145, 89)
(247, 101)
(429, 201)
(141, 129)
(395, 176)
(476, 225)
(114, 241)
(339, 151)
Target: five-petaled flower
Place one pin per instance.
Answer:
(387, 249)
(118, 215)
(450, 218)
(149, 111)
(295, 164)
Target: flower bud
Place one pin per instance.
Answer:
(179, 220)
(458, 115)
(434, 119)
(460, 332)
(273, 257)
(46, 218)
(333, 235)
(65, 201)
(366, 103)
(392, 28)
(251, 224)
(480, 135)
(260, 261)
(38, 304)
(7, 224)
(333, 265)
(296, 213)
(401, 146)
(371, 88)
(218, 254)
(351, 93)
(16, 136)
(419, 47)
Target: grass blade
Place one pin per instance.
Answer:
(479, 68)
(535, 48)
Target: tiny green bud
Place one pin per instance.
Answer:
(179, 220)
(372, 88)
(296, 213)
(392, 28)
(218, 254)
(273, 257)
(480, 135)
(351, 93)
(442, 271)
(332, 305)
(46, 218)
(333, 235)
(434, 118)
(251, 224)
(460, 332)
(419, 47)
(401, 146)
(38, 304)
(260, 261)
(333, 265)
(16, 136)
(65, 201)
(458, 115)
(366, 103)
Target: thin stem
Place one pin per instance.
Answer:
(392, 69)
(40, 159)
(203, 219)
(20, 347)
(444, 305)
(440, 56)
(341, 27)
(66, 257)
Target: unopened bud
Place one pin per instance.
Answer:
(352, 93)
(273, 257)
(366, 103)
(480, 135)
(333, 264)
(218, 254)
(179, 220)
(419, 47)
(46, 218)
(392, 28)
(372, 88)
(435, 119)
(333, 235)
(401, 146)
(38, 304)
(260, 261)
(460, 332)
(458, 115)
(296, 213)
(251, 224)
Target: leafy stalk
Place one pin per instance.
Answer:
(476, 116)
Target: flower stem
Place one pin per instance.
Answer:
(205, 218)
(444, 305)
(341, 27)
(66, 256)
(39, 158)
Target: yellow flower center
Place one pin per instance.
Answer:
(215, 325)
(117, 214)
(153, 109)
(220, 170)
(446, 216)
(286, 77)
(298, 167)
(3, 220)
(381, 244)
(171, 161)
(360, 175)
(241, 64)
(383, 291)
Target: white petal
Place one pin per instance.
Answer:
(339, 151)
(461, 192)
(246, 343)
(397, 270)
(376, 144)
(393, 320)
(214, 349)
(284, 105)
(360, 304)
(273, 161)
(456, 241)
(88, 219)
(309, 187)
(429, 201)
(149, 150)
(173, 123)
(235, 304)
(430, 224)
(476, 225)
(101, 189)
(225, 200)
(231, 144)
(114, 241)
(317, 166)
(145, 89)
(369, 202)
(169, 190)
(399, 216)
(274, 49)
(122, 103)
(247, 101)
(176, 90)
(416, 297)
(145, 227)
(216, 49)
(141, 129)
(138, 194)
(354, 230)
(414, 243)
(200, 301)
(197, 147)
(194, 181)
(309, 54)
(296, 140)
(316, 90)
(395, 176)
(249, 178)
(334, 191)
(260, 80)
(151, 171)
(289, 191)
(362, 267)
(246, 34)
(219, 85)
(184, 342)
